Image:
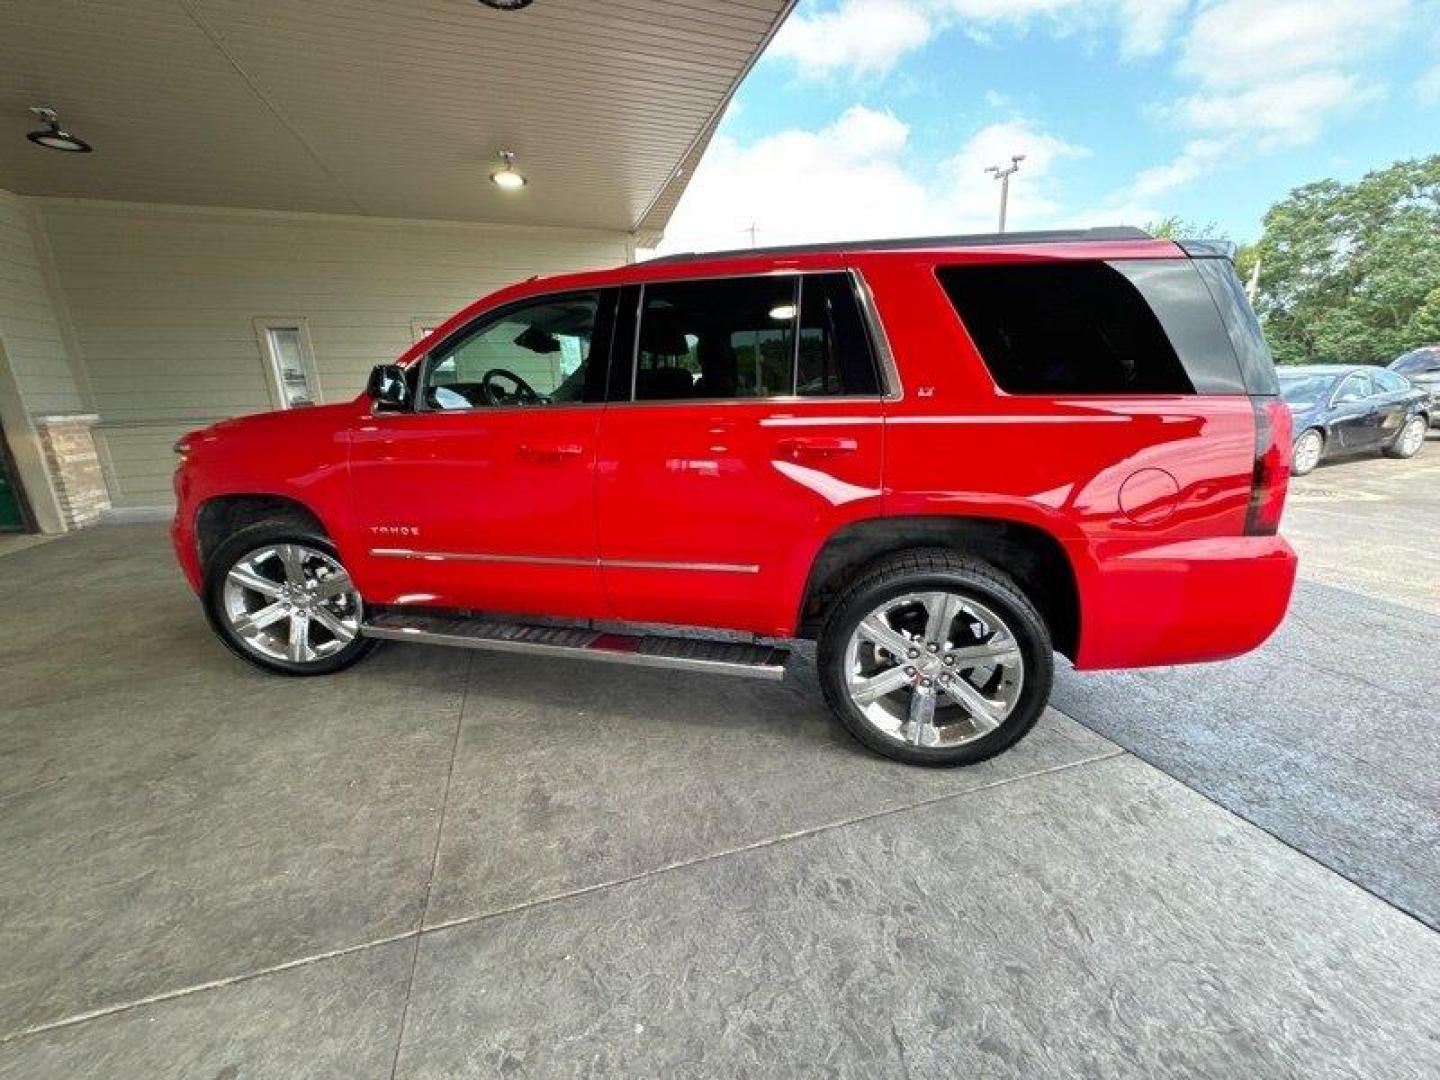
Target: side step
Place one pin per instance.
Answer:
(646, 650)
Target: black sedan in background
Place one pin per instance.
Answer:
(1342, 409)
(1422, 367)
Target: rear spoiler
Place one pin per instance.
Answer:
(1208, 249)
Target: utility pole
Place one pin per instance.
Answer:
(1003, 174)
(751, 231)
(1252, 287)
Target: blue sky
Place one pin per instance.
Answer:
(876, 117)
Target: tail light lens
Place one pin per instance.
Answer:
(1272, 467)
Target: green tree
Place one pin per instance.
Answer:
(1351, 272)
(1175, 227)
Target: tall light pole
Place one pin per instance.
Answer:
(1003, 174)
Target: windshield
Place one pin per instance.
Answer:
(1304, 389)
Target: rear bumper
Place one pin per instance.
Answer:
(1185, 602)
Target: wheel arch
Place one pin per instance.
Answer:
(1034, 557)
(222, 515)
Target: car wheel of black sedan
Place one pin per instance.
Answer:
(1308, 449)
(1411, 438)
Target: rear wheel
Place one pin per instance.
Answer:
(1308, 449)
(279, 597)
(935, 659)
(1411, 438)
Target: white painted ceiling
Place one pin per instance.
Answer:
(394, 108)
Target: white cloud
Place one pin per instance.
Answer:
(1255, 77)
(1198, 158)
(859, 37)
(996, 11)
(1147, 26)
(1247, 42)
(1427, 89)
(1266, 75)
(851, 179)
(867, 37)
(1227, 41)
(1283, 113)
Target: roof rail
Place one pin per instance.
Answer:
(1047, 236)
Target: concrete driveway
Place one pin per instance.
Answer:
(1326, 737)
(445, 864)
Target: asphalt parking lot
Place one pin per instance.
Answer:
(443, 864)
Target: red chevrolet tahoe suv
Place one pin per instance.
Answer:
(943, 460)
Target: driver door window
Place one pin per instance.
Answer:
(1354, 388)
(534, 354)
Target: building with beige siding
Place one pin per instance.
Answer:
(282, 195)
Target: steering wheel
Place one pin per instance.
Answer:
(523, 393)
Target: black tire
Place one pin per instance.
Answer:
(928, 569)
(231, 551)
(1396, 448)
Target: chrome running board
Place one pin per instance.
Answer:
(580, 643)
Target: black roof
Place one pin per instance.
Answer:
(1049, 236)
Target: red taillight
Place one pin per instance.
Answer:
(1272, 467)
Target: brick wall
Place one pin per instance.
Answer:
(70, 452)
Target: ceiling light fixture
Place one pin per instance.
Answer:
(782, 312)
(506, 5)
(53, 137)
(506, 177)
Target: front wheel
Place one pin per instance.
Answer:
(935, 659)
(279, 597)
(1308, 448)
(1411, 438)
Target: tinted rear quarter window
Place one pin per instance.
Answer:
(1126, 327)
(1257, 365)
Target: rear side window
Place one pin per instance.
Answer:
(834, 355)
(752, 337)
(1387, 382)
(728, 338)
(1126, 327)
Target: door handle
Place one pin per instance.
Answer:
(816, 446)
(547, 451)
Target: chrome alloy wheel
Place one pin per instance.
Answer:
(291, 602)
(1307, 451)
(1412, 437)
(934, 669)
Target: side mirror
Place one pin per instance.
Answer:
(387, 388)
